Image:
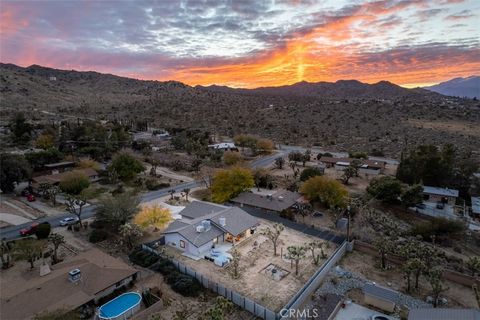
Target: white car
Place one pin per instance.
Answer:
(68, 221)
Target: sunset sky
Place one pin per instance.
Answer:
(248, 43)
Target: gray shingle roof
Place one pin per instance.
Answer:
(198, 209)
(380, 292)
(444, 314)
(279, 201)
(237, 220)
(200, 238)
(441, 191)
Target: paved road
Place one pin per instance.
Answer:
(89, 211)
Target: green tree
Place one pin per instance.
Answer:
(13, 169)
(74, 182)
(45, 141)
(117, 211)
(273, 234)
(229, 183)
(348, 173)
(43, 231)
(21, 129)
(279, 163)
(126, 166)
(219, 311)
(385, 188)
(310, 172)
(29, 250)
(56, 240)
(384, 246)
(295, 253)
(39, 159)
(412, 195)
(473, 265)
(326, 190)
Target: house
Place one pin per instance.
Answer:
(276, 202)
(380, 297)
(58, 167)
(224, 146)
(83, 279)
(476, 206)
(55, 179)
(370, 167)
(443, 314)
(204, 225)
(443, 195)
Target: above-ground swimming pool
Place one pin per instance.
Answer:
(122, 307)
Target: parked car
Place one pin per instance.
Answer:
(440, 205)
(69, 221)
(31, 229)
(31, 198)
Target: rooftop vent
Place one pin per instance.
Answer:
(222, 221)
(200, 228)
(206, 224)
(74, 275)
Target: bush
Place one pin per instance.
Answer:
(310, 172)
(186, 286)
(43, 230)
(152, 185)
(97, 235)
(74, 182)
(439, 227)
(385, 188)
(143, 258)
(126, 166)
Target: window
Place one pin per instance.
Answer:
(182, 244)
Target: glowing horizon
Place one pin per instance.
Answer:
(248, 44)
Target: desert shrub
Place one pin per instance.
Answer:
(287, 214)
(74, 182)
(310, 172)
(43, 230)
(438, 227)
(186, 286)
(152, 184)
(143, 258)
(97, 235)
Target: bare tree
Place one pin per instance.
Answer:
(274, 235)
(186, 191)
(75, 206)
(56, 240)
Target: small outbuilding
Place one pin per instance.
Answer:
(380, 297)
(443, 195)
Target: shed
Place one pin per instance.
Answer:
(380, 297)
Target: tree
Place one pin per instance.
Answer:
(38, 160)
(45, 141)
(348, 173)
(312, 246)
(384, 246)
(118, 210)
(75, 206)
(29, 250)
(7, 248)
(232, 158)
(295, 170)
(13, 169)
(154, 216)
(74, 182)
(279, 162)
(408, 269)
(310, 172)
(235, 264)
(89, 163)
(227, 184)
(186, 191)
(385, 188)
(43, 230)
(473, 265)
(273, 234)
(261, 177)
(21, 129)
(126, 166)
(295, 253)
(265, 145)
(56, 240)
(219, 311)
(435, 278)
(43, 189)
(130, 233)
(412, 195)
(326, 190)
(295, 156)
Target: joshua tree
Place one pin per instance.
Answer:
(384, 246)
(172, 192)
(279, 162)
(236, 257)
(296, 253)
(56, 240)
(75, 206)
(348, 173)
(473, 265)
(6, 251)
(435, 277)
(52, 193)
(273, 235)
(130, 233)
(316, 245)
(186, 191)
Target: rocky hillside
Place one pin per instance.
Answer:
(346, 115)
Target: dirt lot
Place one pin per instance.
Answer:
(367, 267)
(254, 283)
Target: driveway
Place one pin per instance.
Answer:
(13, 219)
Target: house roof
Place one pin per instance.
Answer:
(99, 271)
(237, 221)
(346, 162)
(223, 145)
(440, 191)
(443, 314)
(198, 209)
(278, 201)
(380, 292)
(476, 205)
(56, 178)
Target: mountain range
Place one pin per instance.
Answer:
(347, 115)
(459, 87)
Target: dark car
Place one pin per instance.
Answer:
(31, 230)
(440, 205)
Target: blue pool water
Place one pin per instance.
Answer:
(120, 305)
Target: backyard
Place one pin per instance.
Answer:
(256, 280)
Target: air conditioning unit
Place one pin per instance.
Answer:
(222, 221)
(74, 275)
(200, 228)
